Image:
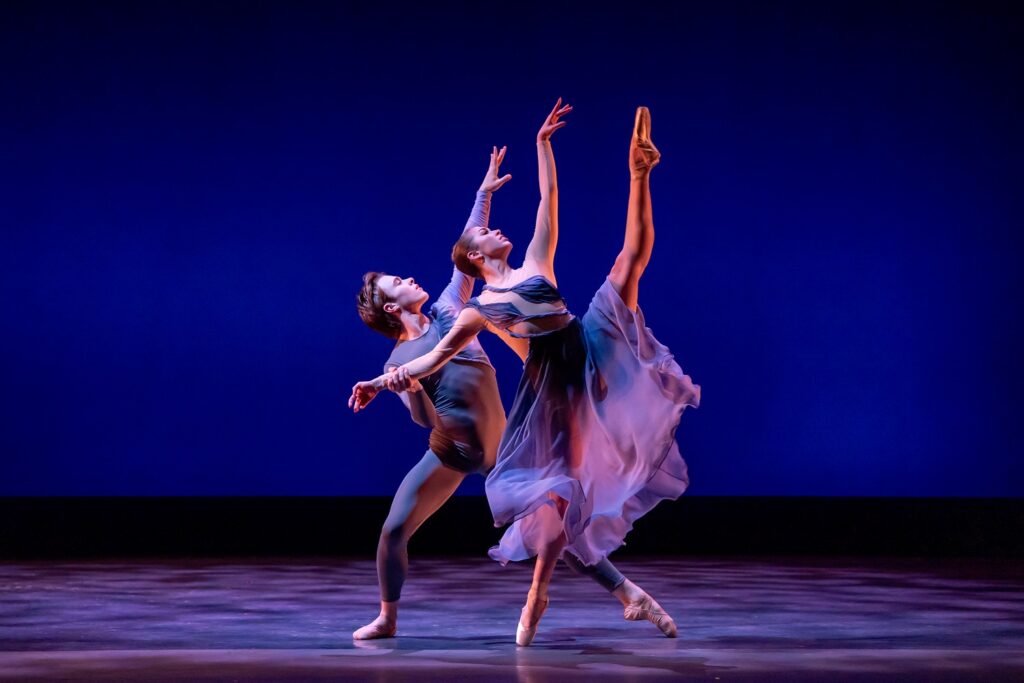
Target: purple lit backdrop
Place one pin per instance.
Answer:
(190, 193)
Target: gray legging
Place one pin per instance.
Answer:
(425, 488)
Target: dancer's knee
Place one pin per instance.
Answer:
(629, 266)
(393, 536)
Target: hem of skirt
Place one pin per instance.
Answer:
(501, 558)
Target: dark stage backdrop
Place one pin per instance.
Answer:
(191, 192)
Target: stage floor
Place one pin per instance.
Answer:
(762, 619)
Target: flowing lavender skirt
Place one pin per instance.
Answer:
(593, 423)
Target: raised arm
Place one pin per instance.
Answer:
(541, 251)
(466, 327)
(460, 288)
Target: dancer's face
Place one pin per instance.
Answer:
(491, 243)
(404, 294)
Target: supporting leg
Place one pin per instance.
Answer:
(537, 598)
(425, 488)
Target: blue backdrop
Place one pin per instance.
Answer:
(191, 192)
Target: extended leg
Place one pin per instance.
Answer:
(639, 239)
(425, 488)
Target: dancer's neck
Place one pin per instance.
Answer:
(496, 273)
(414, 325)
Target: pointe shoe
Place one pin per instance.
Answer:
(378, 628)
(643, 155)
(649, 609)
(525, 634)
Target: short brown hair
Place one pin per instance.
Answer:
(370, 304)
(460, 255)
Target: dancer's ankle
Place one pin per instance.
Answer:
(628, 592)
(389, 611)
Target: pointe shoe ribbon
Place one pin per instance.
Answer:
(650, 610)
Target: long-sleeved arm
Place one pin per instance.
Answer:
(545, 233)
(481, 210)
(460, 288)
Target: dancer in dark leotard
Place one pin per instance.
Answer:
(459, 402)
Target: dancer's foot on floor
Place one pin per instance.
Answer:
(529, 619)
(381, 627)
(643, 155)
(640, 605)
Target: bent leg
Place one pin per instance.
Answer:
(425, 488)
(604, 572)
(637, 602)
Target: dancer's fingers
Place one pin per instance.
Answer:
(555, 108)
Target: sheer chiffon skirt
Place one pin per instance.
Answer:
(593, 423)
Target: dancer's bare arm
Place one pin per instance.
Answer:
(466, 327)
(540, 254)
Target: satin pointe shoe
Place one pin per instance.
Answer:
(649, 609)
(643, 155)
(525, 634)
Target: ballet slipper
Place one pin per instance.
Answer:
(643, 155)
(378, 628)
(648, 608)
(525, 634)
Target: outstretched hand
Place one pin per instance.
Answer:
(362, 394)
(491, 181)
(551, 123)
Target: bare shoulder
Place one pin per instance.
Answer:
(469, 317)
(531, 268)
